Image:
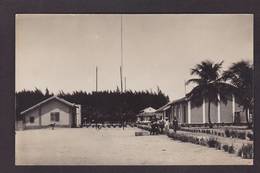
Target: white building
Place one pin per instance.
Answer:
(52, 110)
(146, 115)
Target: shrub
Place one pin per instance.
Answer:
(183, 138)
(233, 134)
(227, 133)
(225, 148)
(241, 135)
(218, 145)
(203, 142)
(231, 149)
(197, 141)
(108, 125)
(212, 142)
(246, 151)
(250, 136)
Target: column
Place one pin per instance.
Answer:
(189, 112)
(219, 108)
(40, 116)
(233, 107)
(204, 111)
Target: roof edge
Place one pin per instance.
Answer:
(45, 101)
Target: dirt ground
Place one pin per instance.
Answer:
(112, 146)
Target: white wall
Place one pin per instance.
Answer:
(55, 106)
(34, 113)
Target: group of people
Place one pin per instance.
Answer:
(161, 126)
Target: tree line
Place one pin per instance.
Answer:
(112, 106)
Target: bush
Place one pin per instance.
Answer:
(231, 149)
(233, 134)
(246, 151)
(203, 142)
(212, 142)
(250, 136)
(227, 133)
(241, 135)
(218, 145)
(225, 148)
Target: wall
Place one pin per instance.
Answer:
(34, 113)
(55, 106)
(226, 114)
(239, 108)
(213, 112)
(196, 114)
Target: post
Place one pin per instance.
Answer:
(121, 80)
(233, 107)
(96, 78)
(189, 112)
(184, 88)
(125, 84)
(40, 116)
(204, 111)
(219, 120)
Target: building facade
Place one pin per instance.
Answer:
(50, 111)
(146, 115)
(187, 112)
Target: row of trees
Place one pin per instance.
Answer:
(99, 106)
(211, 81)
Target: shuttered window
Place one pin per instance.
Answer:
(31, 119)
(55, 116)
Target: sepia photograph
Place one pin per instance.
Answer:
(134, 89)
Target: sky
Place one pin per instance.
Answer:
(61, 51)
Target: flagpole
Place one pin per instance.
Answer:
(184, 87)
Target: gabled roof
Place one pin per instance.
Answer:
(47, 100)
(148, 110)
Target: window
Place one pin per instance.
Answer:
(31, 119)
(55, 116)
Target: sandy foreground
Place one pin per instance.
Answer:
(112, 146)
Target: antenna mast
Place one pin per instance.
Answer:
(121, 66)
(96, 78)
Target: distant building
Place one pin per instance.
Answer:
(146, 115)
(52, 110)
(186, 112)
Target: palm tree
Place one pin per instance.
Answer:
(208, 85)
(240, 75)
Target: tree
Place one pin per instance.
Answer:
(209, 85)
(240, 75)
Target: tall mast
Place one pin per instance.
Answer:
(96, 78)
(125, 84)
(121, 66)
